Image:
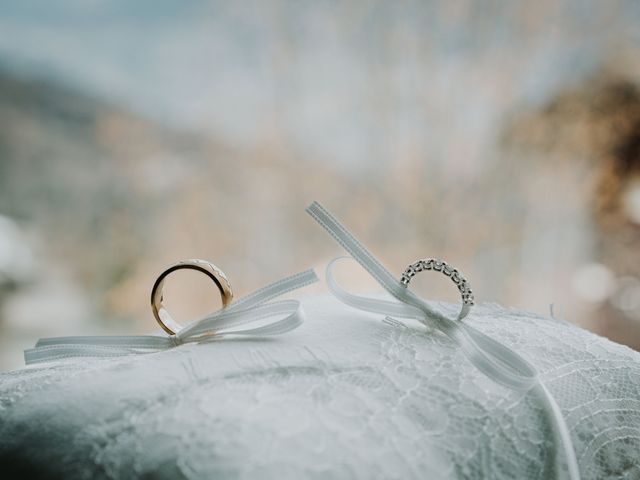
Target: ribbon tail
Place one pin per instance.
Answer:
(354, 247)
(561, 432)
(48, 349)
(274, 290)
(510, 360)
(126, 341)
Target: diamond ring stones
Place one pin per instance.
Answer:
(441, 266)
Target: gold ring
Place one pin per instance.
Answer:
(162, 315)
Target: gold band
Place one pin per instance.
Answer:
(162, 315)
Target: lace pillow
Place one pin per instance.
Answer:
(343, 396)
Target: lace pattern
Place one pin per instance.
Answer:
(344, 396)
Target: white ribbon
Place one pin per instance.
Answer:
(243, 313)
(494, 359)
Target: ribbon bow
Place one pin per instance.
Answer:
(494, 359)
(244, 313)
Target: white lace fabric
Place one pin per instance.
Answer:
(343, 396)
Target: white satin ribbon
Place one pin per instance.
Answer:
(497, 361)
(239, 318)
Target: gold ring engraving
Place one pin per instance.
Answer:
(162, 315)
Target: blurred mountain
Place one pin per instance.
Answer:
(115, 197)
(59, 171)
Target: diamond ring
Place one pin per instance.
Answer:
(441, 266)
(162, 315)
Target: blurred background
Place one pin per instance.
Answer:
(503, 137)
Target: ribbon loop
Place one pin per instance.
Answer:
(495, 360)
(374, 305)
(273, 318)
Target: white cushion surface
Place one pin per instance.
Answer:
(343, 396)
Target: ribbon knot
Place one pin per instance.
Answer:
(253, 314)
(177, 340)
